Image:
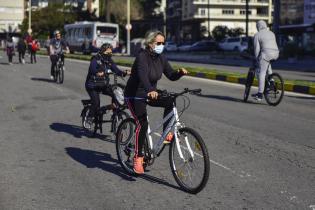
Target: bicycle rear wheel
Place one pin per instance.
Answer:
(125, 144)
(192, 172)
(117, 118)
(248, 84)
(274, 89)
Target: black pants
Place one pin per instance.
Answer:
(21, 56)
(139, 112)
(33, 56)
(10, 57)
(95, 98)
(54, 59)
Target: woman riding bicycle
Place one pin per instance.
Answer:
(99, 65)
(147, 70)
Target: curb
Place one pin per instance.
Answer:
(241, 80)
(225, 78)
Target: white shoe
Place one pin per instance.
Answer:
(52, 77)
(23, 61)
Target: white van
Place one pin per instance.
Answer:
(88, 37)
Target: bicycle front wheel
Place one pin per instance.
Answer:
(56, 74)
(248, 84)
(61, 74)
(274, 89)
(125, 144)
(191, 171)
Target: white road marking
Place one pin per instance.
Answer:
(242, 175)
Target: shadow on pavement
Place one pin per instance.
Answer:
(42, 79)
(104, 161)
(4, 63)
(93, 159)
(79, 132)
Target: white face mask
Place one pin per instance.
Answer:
(158, 49)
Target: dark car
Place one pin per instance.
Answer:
(204, 46)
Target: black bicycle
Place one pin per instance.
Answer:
(59, 70)
(117, 107)
(188, 154)
(274, 86)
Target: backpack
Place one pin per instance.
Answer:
(34, 46)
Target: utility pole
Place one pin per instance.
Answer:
(128, 27)
(208, 18)
(29, 16)
(246, 13)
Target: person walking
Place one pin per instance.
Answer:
(35, 47)
(21, 47)
(10, 50)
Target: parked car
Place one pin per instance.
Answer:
(234, 43)
(170, 46)
(204, 46)
(184, 47)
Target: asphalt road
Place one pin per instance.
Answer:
(262, 157)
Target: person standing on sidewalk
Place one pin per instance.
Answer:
(266, 50)
(35, 47)
(21, 47)
(29, 40)
(10, 49)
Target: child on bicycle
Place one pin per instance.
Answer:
(266, 50)
(97, 79)
(147, 70)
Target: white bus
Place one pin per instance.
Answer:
(88, 37)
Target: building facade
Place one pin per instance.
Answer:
(200, 16)
(89, 5)
(11, 16)
(297, 23)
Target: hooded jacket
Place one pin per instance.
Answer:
(265, 45)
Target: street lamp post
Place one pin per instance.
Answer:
(29, 16)
(128, 27)
(246, 13)
(208, 18)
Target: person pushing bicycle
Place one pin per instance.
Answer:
(266, 50)
(97, 79)
(147, 70)
(56, 47)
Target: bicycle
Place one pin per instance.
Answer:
(187, 147)
(274, 85)
(118, 110)
(59, 70)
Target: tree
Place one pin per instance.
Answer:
(236, 32)
(220, 32)
(49, 19)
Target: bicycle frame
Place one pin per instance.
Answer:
(172, 126)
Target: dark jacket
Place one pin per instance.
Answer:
(21, 46)
(99, 64)
(146, 71)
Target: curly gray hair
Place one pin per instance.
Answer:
(150, 37)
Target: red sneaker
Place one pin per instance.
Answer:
(138, 165)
